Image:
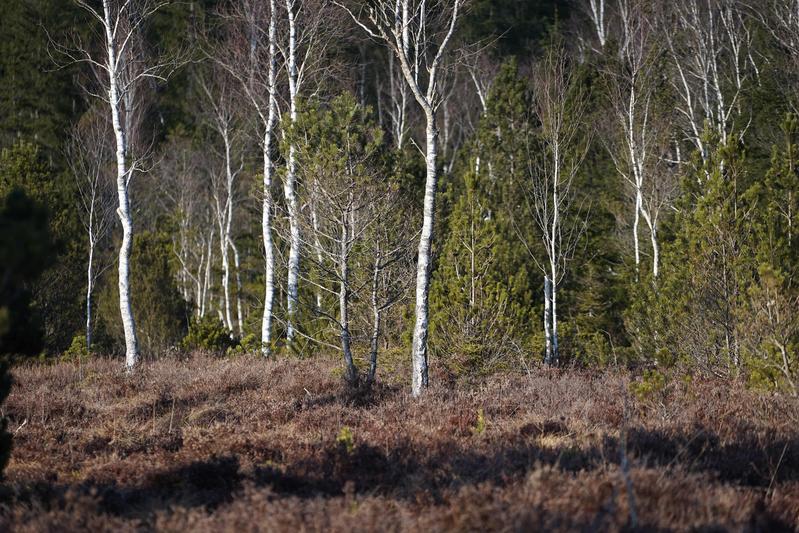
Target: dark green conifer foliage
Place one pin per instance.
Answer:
(26, 250)
(37, 99)
(482, 295)
(692, 312)
(57, 293)
(161, 314)
(771, 312)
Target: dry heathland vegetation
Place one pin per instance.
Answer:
(245, 444)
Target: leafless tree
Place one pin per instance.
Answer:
(641, 131)
(559, 105)
(341, 163)
(120, 68)
(418, 34)
(712, 57)
(220, 107)
(90, 154)
(180, 188)
(249, 53)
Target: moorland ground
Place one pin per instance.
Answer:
(245, 444)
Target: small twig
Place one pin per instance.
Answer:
(25, 422)
(776, 470)
(172, 415)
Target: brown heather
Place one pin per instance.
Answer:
(250, 445)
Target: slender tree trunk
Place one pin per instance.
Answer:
(237, 264)
(123, 210)
(374, 340)
(266, 228)
(654, 240)
(548, 320)
(317, 242)
(636, 222)
(207, 280)
(223, 249)
(554, 311)
(343, 302)
(198, 289)
(89, 291)
(289, 186)
(420, 331)
(554, 251)
(266, 220)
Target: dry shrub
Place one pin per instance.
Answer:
(246, 444)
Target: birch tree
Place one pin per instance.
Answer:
(418, 35)
(180, 190)
(712, 57)
(597, 15)
(302, 53)
(120, 68)
(637, 147)
(559, 105)
(90, 153)
(223, 119)
(250, 55)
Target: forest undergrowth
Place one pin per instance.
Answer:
(245, 444)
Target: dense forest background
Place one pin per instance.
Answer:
(678, 248)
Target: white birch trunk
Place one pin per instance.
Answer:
(317, 242)
(375, 337)
(343, 301)
(89, 291)
(123, 210)
(223, 249)
(554, 252)
(636, 222)
(266, 220)
(421, 326)
(652, 223)
(289, 186)
(548, 320)
(392, 21)
(237, 264)
(207, 278)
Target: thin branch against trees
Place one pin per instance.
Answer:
(90, 154)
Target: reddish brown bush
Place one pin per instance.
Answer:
(247, 444)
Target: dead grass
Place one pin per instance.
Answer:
(250, 445)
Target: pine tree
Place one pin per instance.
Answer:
(37, 99)
(693, 313)
(163, 312)
(770, 317)
(482, 289)
(57, 293)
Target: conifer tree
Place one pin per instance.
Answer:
(482, 288)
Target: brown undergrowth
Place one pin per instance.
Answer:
(244, 444)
